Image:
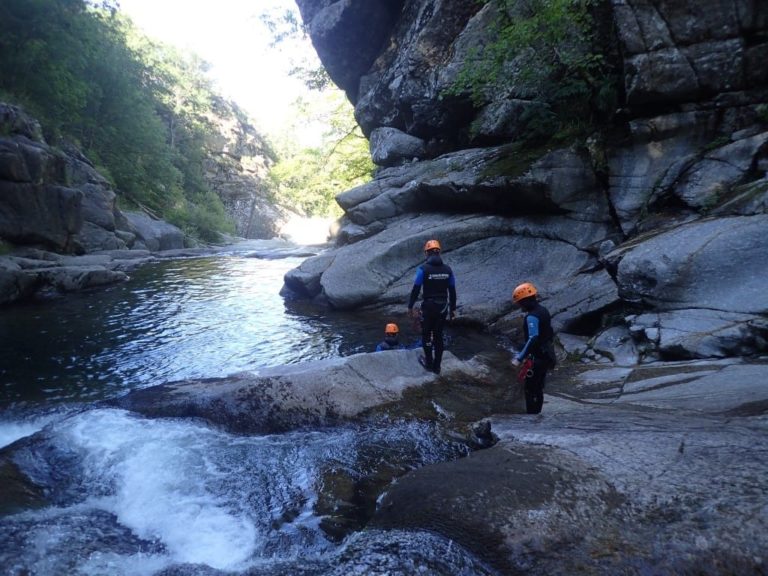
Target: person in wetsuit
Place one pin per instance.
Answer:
(539, 337)
(391, 340)
(438, 283)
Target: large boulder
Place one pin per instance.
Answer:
(390, 147)
(287, 397)
(349, 36)
(154, 234)
(52, 197)
(624, 468)
(497, 180)
(717, 264)
(551, 253)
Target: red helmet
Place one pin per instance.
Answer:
(432, 245)
(391, 329)
(525, 290)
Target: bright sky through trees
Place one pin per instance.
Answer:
(230, 36)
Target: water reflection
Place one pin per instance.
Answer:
(173, 320)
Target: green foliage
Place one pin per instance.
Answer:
(544, 51)
(311, 173)
(138, 109)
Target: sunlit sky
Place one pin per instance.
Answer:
(229, 35)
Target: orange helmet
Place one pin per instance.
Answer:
(432, 245)
(525, 290)
(391, 329)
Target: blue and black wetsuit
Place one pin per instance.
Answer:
(538, 344)
(439, 297)
(389, 344)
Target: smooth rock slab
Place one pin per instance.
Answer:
(287, 397)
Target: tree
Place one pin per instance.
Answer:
(324, 152)
(137, 108)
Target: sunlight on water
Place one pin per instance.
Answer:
(194, 318)
(130, 496)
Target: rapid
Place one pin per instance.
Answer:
(130, 495)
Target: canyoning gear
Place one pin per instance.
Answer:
(524, 290)
(437, 281)
(533, 386)
(539, 350)
(389, 344)
(438, 300)
(390, 341)
(432, 245)
(539, 335)
(526, 370)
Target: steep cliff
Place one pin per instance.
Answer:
(55, 204)
(646, 231)
(236, 167)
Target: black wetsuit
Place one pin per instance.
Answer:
(439, 297)
(538, 344)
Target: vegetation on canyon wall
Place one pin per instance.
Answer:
(138, 109)
(142, 112)
(324, 151)
(545, 50)
(333, 157)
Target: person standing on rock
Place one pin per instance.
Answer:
(539, 346)
(391, 340)
(438, 283)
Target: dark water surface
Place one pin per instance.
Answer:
(173, 320)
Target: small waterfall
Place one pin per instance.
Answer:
(132, 495)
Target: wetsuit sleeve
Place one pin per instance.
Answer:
(417, 282)
(378, 348)
(533, 333)
(452, 291)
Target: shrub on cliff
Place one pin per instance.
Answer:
(549, 51)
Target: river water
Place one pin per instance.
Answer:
(129, 495)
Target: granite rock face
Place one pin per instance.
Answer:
(637, 226)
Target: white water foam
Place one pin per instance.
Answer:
(10, 431)
(154, 475)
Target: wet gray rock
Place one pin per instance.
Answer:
(36, 273)
(617, 343)
(390, 147)
(384, 265)
(717, 264)
(286, 397)
(687, 142)
(701, 333)
(656, 469)
(154, 234)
